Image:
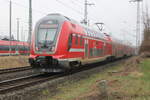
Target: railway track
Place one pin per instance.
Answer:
(27, 81)
(11, 70)
(22, 82)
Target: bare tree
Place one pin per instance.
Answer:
(145, 47)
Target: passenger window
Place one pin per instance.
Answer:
(76, 42)
(91, 52)
(81, 41)
(70, 41)
(97, 43)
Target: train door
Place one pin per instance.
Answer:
(104, 49)
(86, 49)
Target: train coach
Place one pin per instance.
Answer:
(60, 43)
(17, 48)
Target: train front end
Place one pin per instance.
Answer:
(44, 54)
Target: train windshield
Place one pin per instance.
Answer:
(46, 35)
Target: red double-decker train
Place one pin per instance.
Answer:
(60, 43)
(13, 48)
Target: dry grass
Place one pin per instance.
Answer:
(129, 81)
(13, 61)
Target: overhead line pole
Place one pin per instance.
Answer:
(86, 4)
(30, 22)
(17, 34)
(18, 26)
(138, 33)
(138, 24)
(85, 13)
(10, 28)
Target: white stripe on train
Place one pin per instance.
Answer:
(76, 50)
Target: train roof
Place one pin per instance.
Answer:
(121, 42)
(62, 18)
(58, 17)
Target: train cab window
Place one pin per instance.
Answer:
(46, 34)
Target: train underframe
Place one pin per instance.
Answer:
(49, 64)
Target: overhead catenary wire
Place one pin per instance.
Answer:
(67, 6)
(62, 3)
(44, 13)
(76, 3)
(79, 1)
(26, 7)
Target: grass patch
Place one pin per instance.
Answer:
(122, 85)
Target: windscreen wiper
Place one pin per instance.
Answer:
(45, 42)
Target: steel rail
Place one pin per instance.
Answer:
(11, 70)
(19, 83)
(28, 81)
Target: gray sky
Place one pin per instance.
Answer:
(119, 16)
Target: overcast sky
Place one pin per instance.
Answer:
(119, 16)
